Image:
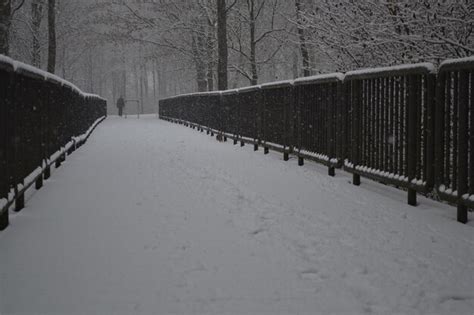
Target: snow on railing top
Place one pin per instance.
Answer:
(230, 92)
(277, 84)
(210, 93)
(33, 72)
(452, 64)
(321, 78)
(249, 88)
(417, 68)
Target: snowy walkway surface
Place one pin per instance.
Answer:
(155, 218)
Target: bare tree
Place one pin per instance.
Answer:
(7, 10)
(36, 18)
(302, 38)
(248, 41)
(52, 36)
(5, 22)
(222, 45)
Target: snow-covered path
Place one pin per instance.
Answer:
(154, 218)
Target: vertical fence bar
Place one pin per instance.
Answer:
(430, 130)
(411, 137)
(355, 129)
(471, 136)
(6, 107)
(439, 130)
(463, 136)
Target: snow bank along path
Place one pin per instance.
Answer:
(154, 218)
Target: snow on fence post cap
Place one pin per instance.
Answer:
(250, 88)
(455, 64)
(277, 84)
(320, 78)
(6, 63)
(417, 68)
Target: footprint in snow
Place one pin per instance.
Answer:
(310, 274)
(258, 231)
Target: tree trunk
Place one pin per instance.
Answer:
(200, 66)
(210, 56)
(5, 22)
(154, 82)
(295, 65)
(142, 90)
(36, 18)
(303, 46)
(52, 36)
(146, 85)
(222, 45)
(90, 70)
(253, 44)
(162, 82)
(123, 87)
(63, 63)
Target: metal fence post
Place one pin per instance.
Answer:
(430, 130)
(439, 130)
(413, 89)
(356, 104)
(39, 182)
(19, 199)
(463, 137)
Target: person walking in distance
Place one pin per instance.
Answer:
(120, 105)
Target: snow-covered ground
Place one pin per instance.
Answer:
(155, 218)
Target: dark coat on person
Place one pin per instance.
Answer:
(120, 103)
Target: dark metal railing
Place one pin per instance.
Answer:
(408, 126)
(250, 114)
(40, 114)
(320, 120)
(454, 136)
(391, 126)
(277, 115)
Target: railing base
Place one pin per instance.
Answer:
(462, 214)
(412, 197)
(4, 220)
(39, 182)
(300, 161)
(20, 203)
(47, 172)
(356, 179)
(331, 171)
